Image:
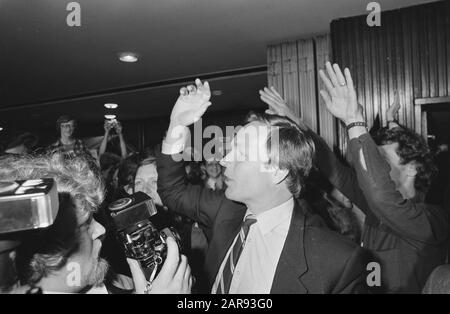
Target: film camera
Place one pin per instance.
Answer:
(135, 219)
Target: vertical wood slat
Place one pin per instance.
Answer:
(308, 102)
(327, 123)
(447, 28)
(407, 87)
(424, 54)
(290, 76)
(432, 50)
(410, 53)
(390, 33)
(441, 58)
(274, 67)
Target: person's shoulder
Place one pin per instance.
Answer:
(439, 281)
(325, 243)
(319, 235)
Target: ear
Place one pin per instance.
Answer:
(411, 169)
(279, 175)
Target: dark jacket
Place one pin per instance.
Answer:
(313, 260)
(407, 237)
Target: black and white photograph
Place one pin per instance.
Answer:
(224, 152)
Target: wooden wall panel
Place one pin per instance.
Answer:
(327, 123)
(292, 70)
(408, 53)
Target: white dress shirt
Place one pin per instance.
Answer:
(258, 262)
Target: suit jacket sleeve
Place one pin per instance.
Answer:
(193, 201)
(408, 218)
(340, 175)
(353, 275)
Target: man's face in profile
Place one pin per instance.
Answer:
(93, 268)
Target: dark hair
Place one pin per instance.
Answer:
(295, 148)
(411, 148)
(80, 191)
(64, 119)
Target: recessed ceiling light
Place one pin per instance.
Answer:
(1, 129)
(111, 106)
(128, 57)
(217, 93)
(110, 116)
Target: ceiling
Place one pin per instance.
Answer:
(43, 59)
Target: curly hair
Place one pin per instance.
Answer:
(80, 190)
(294, 150)
(411, 148)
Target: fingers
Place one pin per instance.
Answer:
(332, 74)
(275, 91)
(328, 85)
(348, 78)
(326, 97)
(173, 258)
(339, 75)
(183, 276)
(192, 89)
(183, 91)
(140, 283)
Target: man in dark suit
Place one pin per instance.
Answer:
(286, 249)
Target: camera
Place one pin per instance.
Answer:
(27, 205)
(135, 220)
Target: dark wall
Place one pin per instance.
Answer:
(138, 133)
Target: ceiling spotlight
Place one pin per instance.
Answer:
(216, 93)
(111, 106)
(128, 57)
(1, 129)
(110, 116)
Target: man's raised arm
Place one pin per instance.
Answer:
(191, 200)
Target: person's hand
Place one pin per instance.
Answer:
(277, 105)
(191, 104)
(340, 95)
(174, 277)
(118, 127)
(107, 126)
(394, 108)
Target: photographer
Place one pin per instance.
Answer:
(109, 126)
(65, 257)
(67, 142)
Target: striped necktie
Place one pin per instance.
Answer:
(228, 271)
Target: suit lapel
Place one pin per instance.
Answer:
(292, 264)
(222, 241)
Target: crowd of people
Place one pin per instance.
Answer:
(295, 219)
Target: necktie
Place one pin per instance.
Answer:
(233, 257)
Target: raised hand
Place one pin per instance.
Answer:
(340, 95)
(174, 277)
(277, 105)
(191, 104)
(393, 109)
(107, 126)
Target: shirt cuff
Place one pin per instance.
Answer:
(177, 146)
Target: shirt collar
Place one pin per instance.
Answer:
(272, 218)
